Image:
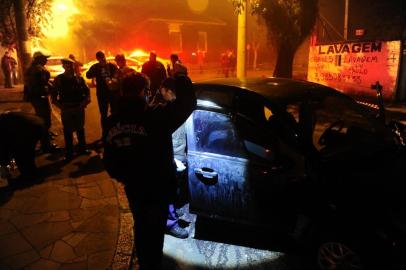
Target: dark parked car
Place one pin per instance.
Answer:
(304, 160)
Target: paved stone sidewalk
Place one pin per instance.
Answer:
(78, 218)
(65, 224)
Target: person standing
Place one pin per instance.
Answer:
(77, 65)
(14, 70)
(138, 152)
(71, 95)
(123, 71)
(20, 133)
(167, 94)
(103, 72)
(36, 91)
(155, 71)
(177, 66)
(6, 67)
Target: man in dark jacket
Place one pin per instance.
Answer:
(103, 72)
(138, 152)
(71, 95)
(155, 71)
(19, 134)
(6, 66)
(36, 91)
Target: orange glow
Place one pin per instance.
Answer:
(62, 11)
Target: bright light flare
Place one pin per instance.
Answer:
(62, 11)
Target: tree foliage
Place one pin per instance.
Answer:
(38, 14)
(288, 23)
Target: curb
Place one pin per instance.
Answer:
(125, 242)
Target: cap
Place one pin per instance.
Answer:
(39, 54)
(67, 60)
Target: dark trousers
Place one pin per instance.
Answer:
(7, 78)
(149, 230)
(24, 155)
(103, 101)
(68, 136)
(42, 109)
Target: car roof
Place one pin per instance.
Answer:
(276, 90)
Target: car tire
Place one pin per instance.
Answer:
(334, 254)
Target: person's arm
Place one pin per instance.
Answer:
(86, 92)
(179, 110)
(55, 93)
(91, 73)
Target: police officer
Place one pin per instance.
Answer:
(36, 91)
(71, 95)
(138, 152)
(20, 133)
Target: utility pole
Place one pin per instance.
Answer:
(242, 41)
(346, 21)
(22, 35)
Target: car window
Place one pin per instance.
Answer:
(215, 133)
(341, 119)
(221, 98)
(258, 142)
(253, 107)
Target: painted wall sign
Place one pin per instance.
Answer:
(353, 67)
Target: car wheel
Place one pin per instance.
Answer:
(336, 255)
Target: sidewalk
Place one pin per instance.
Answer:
(77, 218)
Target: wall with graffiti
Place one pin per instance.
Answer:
(353, 67)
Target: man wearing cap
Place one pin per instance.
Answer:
(103, 72)
(36, 91)
(155, 71)
(71, 95)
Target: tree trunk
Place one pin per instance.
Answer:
(255, 49)
(284, 62)
(22, 35)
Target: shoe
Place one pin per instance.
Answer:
(177, 232)
(68, 156)
(84, 151)
(52, 148)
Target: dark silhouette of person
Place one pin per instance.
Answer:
(155, 71)
(103, 72)
(14, 72)
(77, 66)
(123, 71)
(36, 91)
(138, 152)
(20, 133)
(165, 95)
(7, 69)
(176, 66)
(71, 95)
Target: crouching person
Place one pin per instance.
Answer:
(138, 153)
(20, 133)
(71, 95)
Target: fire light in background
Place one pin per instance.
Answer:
(62, 11)
(198, 6)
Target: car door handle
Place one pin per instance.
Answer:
(206, 175)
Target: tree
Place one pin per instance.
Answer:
(21, 20)
(288, 23)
